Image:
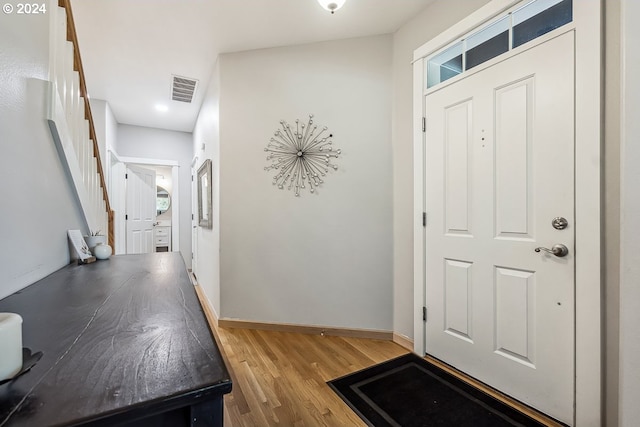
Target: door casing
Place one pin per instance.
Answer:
(588, 170)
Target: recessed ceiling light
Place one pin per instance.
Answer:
(162, 108)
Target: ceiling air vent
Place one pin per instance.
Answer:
(183, 88)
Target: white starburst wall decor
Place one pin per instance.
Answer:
(301, 154)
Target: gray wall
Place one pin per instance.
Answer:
(149, 143)
(434, 19)
(318, 259)
(206, 145)
(38, 201)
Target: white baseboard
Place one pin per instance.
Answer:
(403, 341)
(307, 329)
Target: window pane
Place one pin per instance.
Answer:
(540, 17)
(444, 65)
(487, 43)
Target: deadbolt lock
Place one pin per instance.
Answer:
(559, 223)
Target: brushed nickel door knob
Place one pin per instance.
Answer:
(558, 250)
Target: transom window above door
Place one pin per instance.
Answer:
(505, 32)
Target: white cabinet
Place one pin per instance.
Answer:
(162, 236)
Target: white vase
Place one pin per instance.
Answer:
(102, 251)
(11, 342)
(92, 241)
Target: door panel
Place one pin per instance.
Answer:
(458, 142)
(499, 168)
(515, 314)
(458, 298)
(513, 168)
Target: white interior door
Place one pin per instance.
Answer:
(499, 169)
(141, 209)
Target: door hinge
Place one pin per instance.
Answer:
(424, 219)
(424, 124)
(126, 217)
(191, 217)
(424, 314)
(126, 176)
(191, 178)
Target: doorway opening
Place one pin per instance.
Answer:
(148, 194)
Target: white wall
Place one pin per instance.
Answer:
(630, 217)
(38, 201)
(149, 143)
(207, 133)
(318, 259)
(111, 129)
(106, 128)
(431, 21)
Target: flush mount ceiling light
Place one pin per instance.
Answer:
(161, 108)
(331, 5)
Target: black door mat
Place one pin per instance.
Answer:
(409, 391)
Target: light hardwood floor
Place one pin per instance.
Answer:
(279, 378)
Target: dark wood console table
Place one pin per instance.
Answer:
(125, 343)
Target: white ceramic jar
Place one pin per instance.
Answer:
(93, 241)
(102, 251)
(11, 343)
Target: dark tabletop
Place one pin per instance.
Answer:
(118, 335)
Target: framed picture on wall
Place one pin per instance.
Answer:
(205, 207)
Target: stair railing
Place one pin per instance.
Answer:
(71, 121)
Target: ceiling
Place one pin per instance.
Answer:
(130, 49)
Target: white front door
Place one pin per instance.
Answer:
(141, 209)
(499, 169)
